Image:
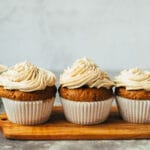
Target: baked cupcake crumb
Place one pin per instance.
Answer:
(49, 92)
(85, 94)
(133, 94)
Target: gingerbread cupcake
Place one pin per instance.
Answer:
(28, 93)
(86, 93)
(133, 95)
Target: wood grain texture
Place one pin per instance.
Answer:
(57, 128)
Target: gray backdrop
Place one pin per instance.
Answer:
(53, 33)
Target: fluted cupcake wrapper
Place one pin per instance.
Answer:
(28, 112)
(86, 113)
(134, 111)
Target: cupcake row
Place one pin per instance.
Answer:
(86, 93)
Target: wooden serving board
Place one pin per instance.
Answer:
(57, 128)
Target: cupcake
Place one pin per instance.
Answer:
(133, 95)
(86, 93)
(28, 93)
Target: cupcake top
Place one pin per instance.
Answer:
(85, 72)
(134, 79)
(26, 77)
(2, 68)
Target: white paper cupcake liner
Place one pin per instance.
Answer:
(86, 113)
(28, 112)
(134, 111)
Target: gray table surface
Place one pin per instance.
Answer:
(6, 144)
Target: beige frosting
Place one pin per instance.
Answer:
(134, 79)
(27, 78)
(2, 68)
(85, 72)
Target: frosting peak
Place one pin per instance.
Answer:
(2, 68)
(85, 72)
(26, 77)
(134, 79)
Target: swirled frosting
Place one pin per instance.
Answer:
(85, 72)
(134, 79)
(2, 68)
(26, 77)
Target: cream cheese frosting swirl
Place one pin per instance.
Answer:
(85, 72)
(134, 79)
(2, 68)
(26, 77)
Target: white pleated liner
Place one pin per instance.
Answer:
(28, 112)
(86, 113)
(134, 111)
